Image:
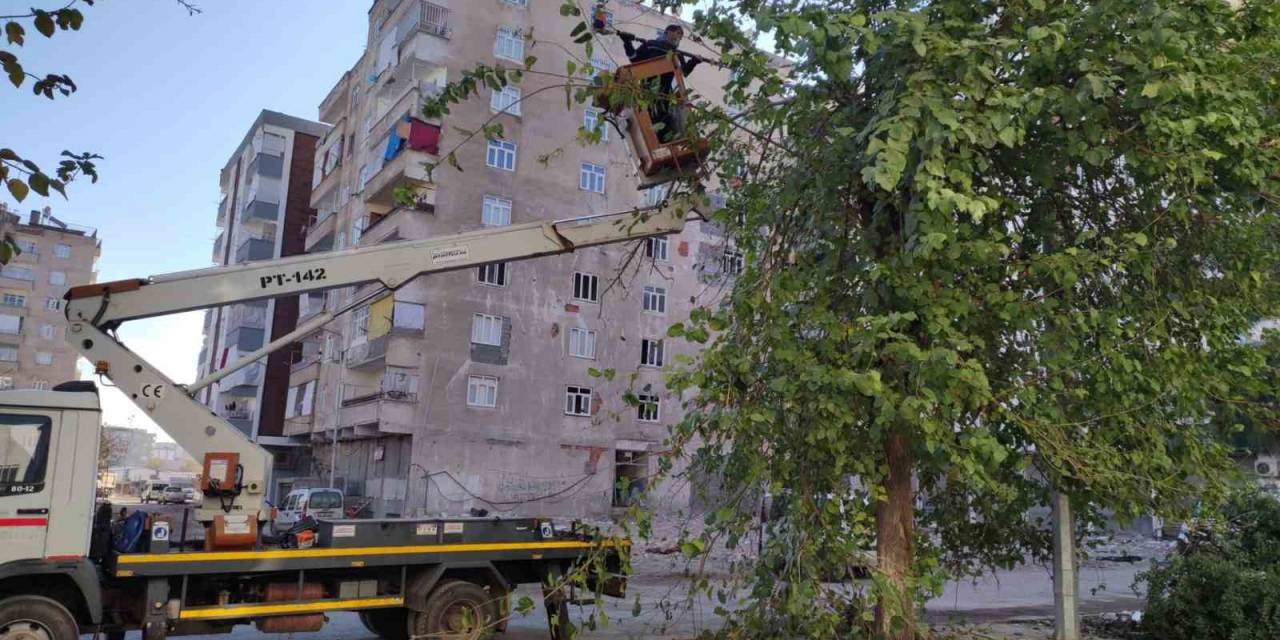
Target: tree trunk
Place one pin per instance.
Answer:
(895, 525)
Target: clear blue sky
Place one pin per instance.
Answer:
(165, 98)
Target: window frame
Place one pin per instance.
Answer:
(573, 397)
(586, 335)
(481, 331)
(480, 381)
(651, 245)
(496, 207)
(44, 358)
(589, 174)
(656, 293)
(652, 352)
(644, 401)
(580, 280)
(497, 151)
(593, 120)
(496, 269)
(514, 41)
(500, 101)
(39, 459)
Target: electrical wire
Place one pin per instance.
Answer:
(498, 504)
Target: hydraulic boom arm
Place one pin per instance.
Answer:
(95, 311)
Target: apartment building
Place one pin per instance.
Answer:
(264, 209)
(54, 255)
(479, 389)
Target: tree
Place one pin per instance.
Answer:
(994, 250)
(110, 450)
(20, 174)
(1010, 248)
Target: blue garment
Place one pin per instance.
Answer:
(394, 142)
(131, 533)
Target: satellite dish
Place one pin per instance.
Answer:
(1263, 468)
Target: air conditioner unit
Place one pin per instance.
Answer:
(1267, 466)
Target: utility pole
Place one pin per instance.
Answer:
(337, 417)
(1066, 582)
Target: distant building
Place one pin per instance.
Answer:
(129, 447)
(265, 207)
(54, 255)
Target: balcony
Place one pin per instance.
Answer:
(268, 144)
(320, 232)
(267, 165)
(310, 304)
(425, 17)
(335, 104)
(406, 169)
(249, 314)
(261, 210)
(412, 72)
(243, 383)
(217, 248)
(256, 249)
(262, 199)
(368, 354)
(369, 411)
(245, 339)
(299, 425)
(223, 207)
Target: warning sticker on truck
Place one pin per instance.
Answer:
(452, 527)
(344, 531)
(428, 529)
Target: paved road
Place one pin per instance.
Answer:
(1026, 592)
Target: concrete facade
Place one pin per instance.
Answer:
(54, 255)
(453, 393)
(264, 209)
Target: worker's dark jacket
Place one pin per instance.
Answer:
(650, 49)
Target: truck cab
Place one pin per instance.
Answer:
(48, 471)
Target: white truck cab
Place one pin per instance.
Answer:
(48, 467)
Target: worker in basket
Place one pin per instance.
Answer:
(663, 109)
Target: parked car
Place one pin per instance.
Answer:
(173, 494)
(189, 494)
(321, 504)
(153, 492)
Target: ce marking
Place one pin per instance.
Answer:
(153, 391)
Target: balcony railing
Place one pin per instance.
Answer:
(426, 17)
(256, 249)
(372, 351)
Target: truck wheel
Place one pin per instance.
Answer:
(456, 609)
(388, 624)
(36, 618)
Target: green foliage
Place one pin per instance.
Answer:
(1026, 236)
(1227, 588)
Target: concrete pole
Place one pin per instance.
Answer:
(337, 415)
(1066, 582)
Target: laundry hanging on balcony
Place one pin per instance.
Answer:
(414, 133)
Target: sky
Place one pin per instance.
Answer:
(165, 98)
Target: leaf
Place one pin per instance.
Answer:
(582, 26)
(14, 32)
(1152, 89)
(44, 24)
(18, 188)
(868, 383)
(529, 61)
(676, 330)
(524, 605)
(39, 183)
(1037, 33)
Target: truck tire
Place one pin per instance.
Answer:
(36, 617)
(456, 610)
(388, 624)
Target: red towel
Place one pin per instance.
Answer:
(424, 137)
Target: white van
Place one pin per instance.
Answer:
(322, 504)
(153, 491)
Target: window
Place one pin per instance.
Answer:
(655, 299)
(653, 196)
(11, 325)
(502, 155)
(44, 358)
(732, 262)
(366, 172)
(656, 249)
(62, 250)
(24, 448)
(518, 3)
(577, 401)
(593, 121)
(496, 212)
(30, 247)
(585, 287)
(509, 45)
(360, 323)
(648, 409)
(493, 274)
(325, 500)
(582, 343)
(631, 474)
(46, 331)
(409, 316)
(57, 277)
(591, 178)
(18, 272)
(506, 100)
(486, 329)
(53, 304)
(651, 352)
(599, 64)
(40, 385)
(357, 230)
(482, 391)
(301, 400)
(14, 300)
(8, 353)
